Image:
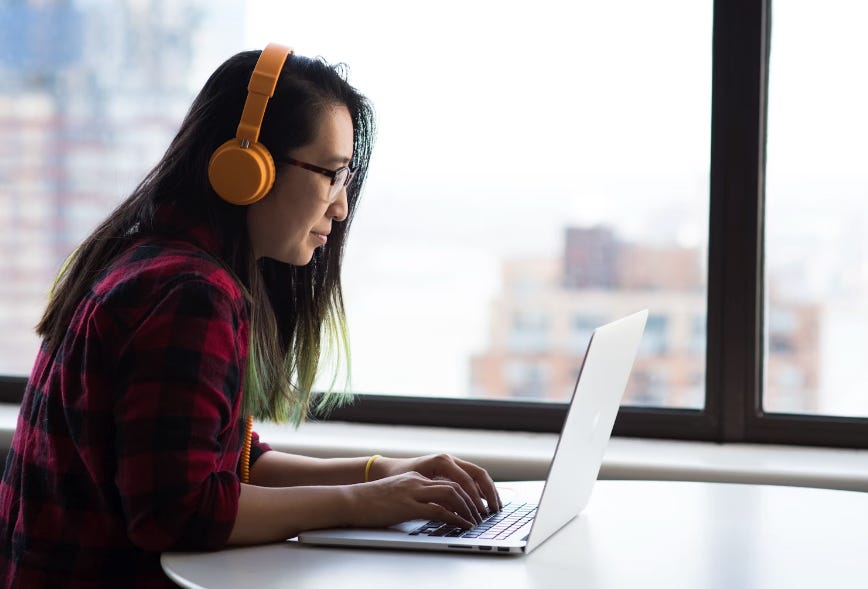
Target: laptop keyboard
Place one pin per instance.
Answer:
(496, 526)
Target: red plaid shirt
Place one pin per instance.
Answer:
(129, 436)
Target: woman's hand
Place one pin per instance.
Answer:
(410, 495)
(473, 480)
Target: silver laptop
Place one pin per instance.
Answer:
(525, 524)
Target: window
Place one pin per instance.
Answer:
(527, 215)
(816, 278)
(582, 327)
(655, 338)
(526, 379)
(482, 255)
(539, 169)
(530, 332)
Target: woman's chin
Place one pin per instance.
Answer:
(294, 257)
(298, 258)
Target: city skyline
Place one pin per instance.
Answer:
(591, 157)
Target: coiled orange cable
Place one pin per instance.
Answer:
(245, 450)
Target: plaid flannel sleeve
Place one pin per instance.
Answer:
(183, 368)
(257, 448)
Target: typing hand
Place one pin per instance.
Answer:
(473, 480)
(410, 495)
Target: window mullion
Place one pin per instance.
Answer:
(735, 230)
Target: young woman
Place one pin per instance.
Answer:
(202, 301)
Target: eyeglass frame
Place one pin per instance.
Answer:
(331, 174)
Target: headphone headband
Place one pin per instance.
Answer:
(261, 87)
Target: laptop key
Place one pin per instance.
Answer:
(427, 528)
(443, 531)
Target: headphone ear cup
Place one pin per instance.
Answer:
(241, 175)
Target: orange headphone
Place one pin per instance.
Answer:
(241, 170)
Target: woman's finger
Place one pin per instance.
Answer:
(484, 482)
(456, 472)
(451, 496)
(435, 512)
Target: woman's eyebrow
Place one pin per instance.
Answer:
(339, 159)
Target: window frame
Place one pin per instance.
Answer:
(735, 324)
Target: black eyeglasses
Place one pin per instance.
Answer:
(339, 178)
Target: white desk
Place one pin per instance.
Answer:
(632, 534)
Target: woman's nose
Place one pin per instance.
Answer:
(340, 208)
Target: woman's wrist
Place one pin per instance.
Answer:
(368, 465)
(380, 468)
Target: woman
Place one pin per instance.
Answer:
(199, 302)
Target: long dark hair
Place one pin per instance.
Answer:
(292, 307)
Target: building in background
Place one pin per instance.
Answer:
(543, 319)
(91, 93)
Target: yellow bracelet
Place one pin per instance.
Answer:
(368, 466)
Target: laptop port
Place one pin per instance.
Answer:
(485, 547)
(502, 549)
